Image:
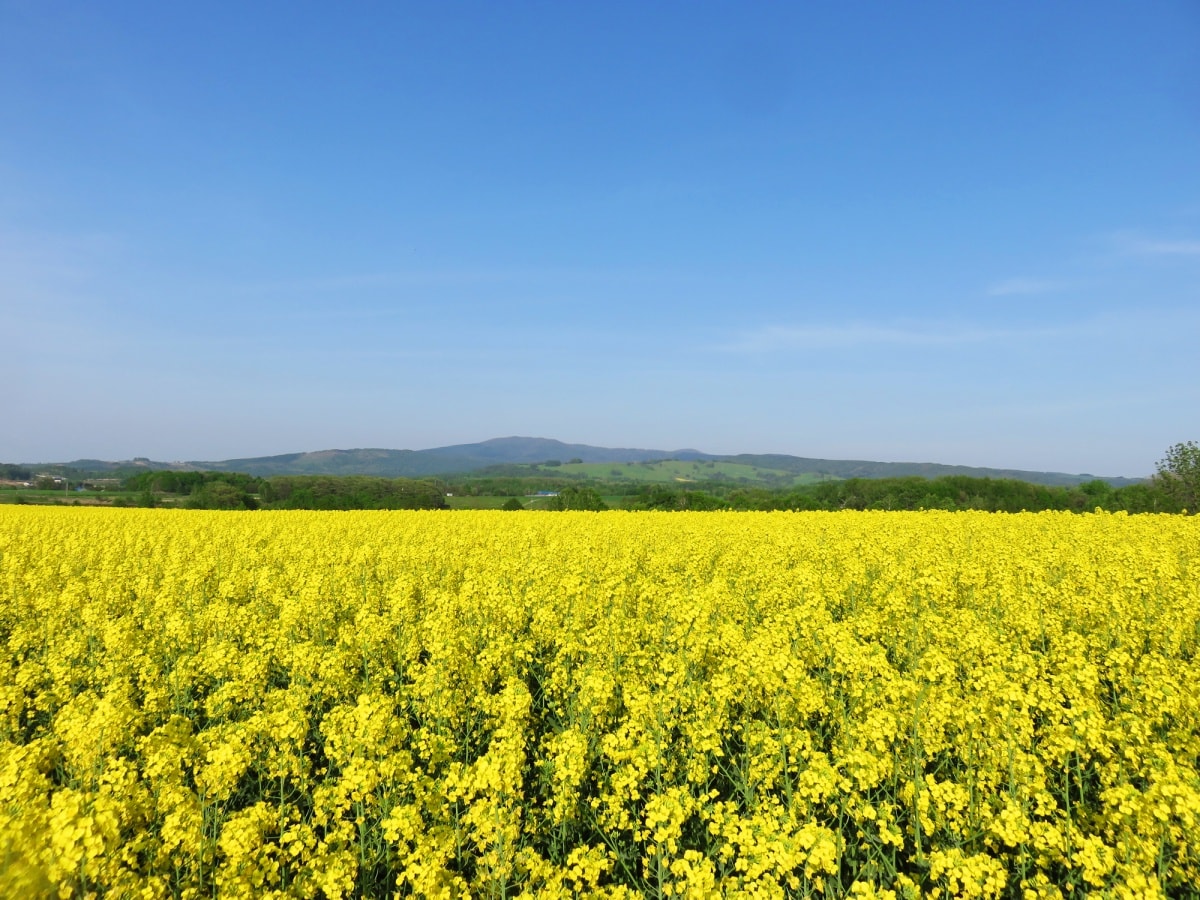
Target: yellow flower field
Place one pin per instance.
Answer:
(489, 704)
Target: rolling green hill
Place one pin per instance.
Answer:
(513, 455)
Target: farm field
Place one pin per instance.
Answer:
(486, 501)
(670, 471)
(52, 498)
(477, 703)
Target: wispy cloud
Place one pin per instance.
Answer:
(547, 275)
(1145, 246)
(366, 281)
(1025, 286)
(830, 337)
(1148, 324)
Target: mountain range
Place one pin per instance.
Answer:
(459, 459)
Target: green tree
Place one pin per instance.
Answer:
(579, 498)
(1179, 475)
(220, 495)
(512, 503)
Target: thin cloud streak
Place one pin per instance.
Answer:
(1149, 324)
(1143, 246)
(467, 277)
(829, 337)
(1025, 287)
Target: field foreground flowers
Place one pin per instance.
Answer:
(619, 704)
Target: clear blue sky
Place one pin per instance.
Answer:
(955, 232)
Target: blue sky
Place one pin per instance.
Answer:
(955, 232)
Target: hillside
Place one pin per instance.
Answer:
(582, 460)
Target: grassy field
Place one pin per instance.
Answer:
(56, 497)
(675, 471)
(460, 501)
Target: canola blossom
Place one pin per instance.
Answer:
(485, 704)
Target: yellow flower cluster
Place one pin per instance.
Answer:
(328, 705)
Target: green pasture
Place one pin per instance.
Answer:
(41, 497)
(678, 471)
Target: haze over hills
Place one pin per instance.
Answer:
(459, 459)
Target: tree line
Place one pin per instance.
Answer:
(233, 490)
(951, 492)
(1174, 488)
